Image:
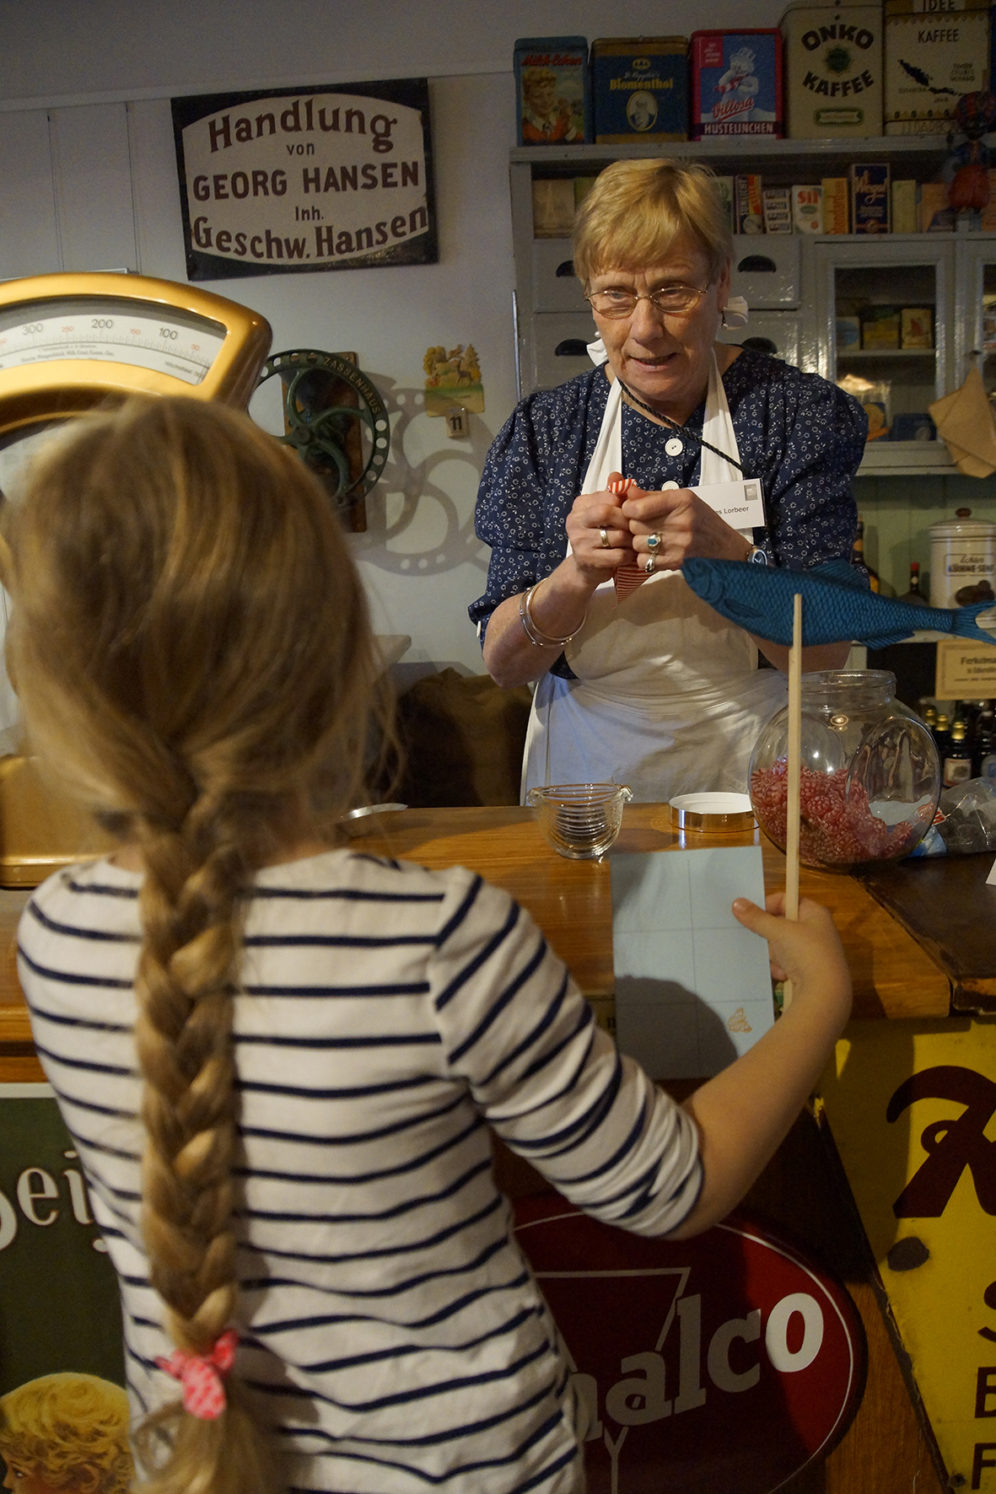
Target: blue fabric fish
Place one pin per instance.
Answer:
(836, 604)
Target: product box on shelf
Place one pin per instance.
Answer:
(639, 88)
(848, 333)
(903, 206)
(807, 209)
(553, 207)
(934, 210)
(552, 90)
(833, 65)
(836, 204)
(916, 327)
(736, 81)
(880, 326)
(725, 188)
(932, 57)
(777, 202)
(748, 203)
(869, 196)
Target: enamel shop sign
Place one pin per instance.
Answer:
(912, 1110)
(723, 1362)
(293, 180)
(59, 1306)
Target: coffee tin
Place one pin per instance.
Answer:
(833, 71)
(934, 53)
(962, 560)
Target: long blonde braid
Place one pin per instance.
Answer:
(194, 658)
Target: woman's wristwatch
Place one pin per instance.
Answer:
(756, 556)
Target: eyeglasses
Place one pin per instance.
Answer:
(670, 300)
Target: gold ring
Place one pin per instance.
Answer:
(649, 564)
(653, 542)
(604, 536)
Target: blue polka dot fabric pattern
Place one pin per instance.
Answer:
(802, 436)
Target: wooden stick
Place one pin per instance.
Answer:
(793, 774)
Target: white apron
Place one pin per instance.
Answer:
(668, 697)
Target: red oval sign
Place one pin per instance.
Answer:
(724, 1362)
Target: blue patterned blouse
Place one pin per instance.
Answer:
(801, 435)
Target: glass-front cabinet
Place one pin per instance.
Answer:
(883, 315)
(975, 306)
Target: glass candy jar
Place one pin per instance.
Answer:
(870, 776)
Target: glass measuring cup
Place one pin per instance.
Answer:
(580, 820)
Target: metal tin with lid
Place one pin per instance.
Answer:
(962, 560)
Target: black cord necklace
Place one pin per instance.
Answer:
(676, 426)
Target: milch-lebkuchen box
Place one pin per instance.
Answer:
(833, 65)
(552, 90)
(639, 87)
(736, 80)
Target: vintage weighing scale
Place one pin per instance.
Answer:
(69, 343)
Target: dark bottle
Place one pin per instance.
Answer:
(914, 594)
(858, 557)
(942, 735)
(982, 744)
(956, 764)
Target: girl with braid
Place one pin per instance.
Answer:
(281, 1059)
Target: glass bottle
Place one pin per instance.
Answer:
(870, 775)
(982, 746)
(957, 760)
(858, 556)
(913, 594)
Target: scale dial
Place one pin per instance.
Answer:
(69, 342)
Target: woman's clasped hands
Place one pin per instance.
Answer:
(608, 530)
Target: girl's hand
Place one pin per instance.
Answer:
(807, 951)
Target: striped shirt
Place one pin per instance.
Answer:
(387, 1016)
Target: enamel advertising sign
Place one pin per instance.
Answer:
(725, 1362)
(912, 1109)
(294, 180)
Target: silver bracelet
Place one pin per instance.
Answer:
(536, 636)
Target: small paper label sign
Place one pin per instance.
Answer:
(741, 504)
(965, 669)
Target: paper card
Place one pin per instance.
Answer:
(991, 879)
(693, 988)
(741, 504)
(964, 668)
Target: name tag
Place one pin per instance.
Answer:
(741, 504)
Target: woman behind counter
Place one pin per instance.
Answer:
(641, 682)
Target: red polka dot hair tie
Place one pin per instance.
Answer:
(202, 1376)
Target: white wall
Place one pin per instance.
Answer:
(89, 181)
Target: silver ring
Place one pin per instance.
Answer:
(604, 536)
(653, 542)
(649, 564)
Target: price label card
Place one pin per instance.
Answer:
(965, 670)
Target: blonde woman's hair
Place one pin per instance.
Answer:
(191, 646)
(635, 211)
(70, 1431)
